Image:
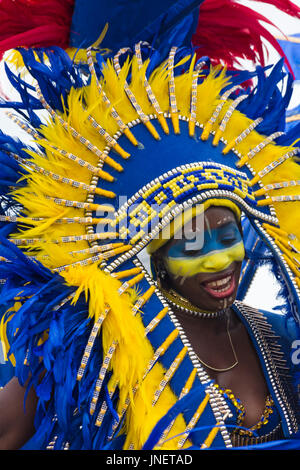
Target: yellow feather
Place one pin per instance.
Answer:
(128, 367)
(133, 351)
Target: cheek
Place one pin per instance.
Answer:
(238, 254)
(183, 267)
(212, 262)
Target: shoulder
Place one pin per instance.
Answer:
(287, 330)
(283, 326)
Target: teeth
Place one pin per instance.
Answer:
(219, 283)
(222, 290)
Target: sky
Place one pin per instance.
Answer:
(264, 287)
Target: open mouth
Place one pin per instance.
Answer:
(222, 287)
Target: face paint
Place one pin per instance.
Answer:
(220, 248)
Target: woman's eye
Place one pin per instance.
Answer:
(190, 252)
(229, 240)
(192, 247)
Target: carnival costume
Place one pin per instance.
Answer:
(82, 316)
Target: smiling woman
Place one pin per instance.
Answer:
(198, 272)
(119, 357)
(214, 267)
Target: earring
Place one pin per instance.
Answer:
(161, 272)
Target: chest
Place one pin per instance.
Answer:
(261, 370)
(248, 364)
(232, 362)
(246, 380)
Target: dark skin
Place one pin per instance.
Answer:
(209, 337)
(16, 423)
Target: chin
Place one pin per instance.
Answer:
(213, 291)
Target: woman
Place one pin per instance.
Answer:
(78, 302)
(199, 278)
(201, 287)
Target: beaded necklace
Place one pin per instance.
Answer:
(268, 410)
(185, 306)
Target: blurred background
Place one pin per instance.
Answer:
(264, 288)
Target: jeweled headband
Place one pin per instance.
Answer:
(161, 137)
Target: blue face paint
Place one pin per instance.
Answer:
(213, 251)
(213, 240)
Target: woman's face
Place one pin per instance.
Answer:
(204, 259)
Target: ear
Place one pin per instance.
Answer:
(157, 261)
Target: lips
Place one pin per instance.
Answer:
(222, 287)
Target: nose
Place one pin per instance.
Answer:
(216, 262)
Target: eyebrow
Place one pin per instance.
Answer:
(225, 221)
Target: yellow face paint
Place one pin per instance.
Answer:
(214, 261)
(183, 218)
(215, 250)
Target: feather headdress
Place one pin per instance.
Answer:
(77, 302)
(224, 30)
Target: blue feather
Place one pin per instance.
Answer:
(267, 101)
(159, 22)
(291, 135)
(174, 411)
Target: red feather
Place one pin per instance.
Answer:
(228, 31)
(35, 23)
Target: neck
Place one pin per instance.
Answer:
(211, 325)
(183, 305)
(206, 317)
